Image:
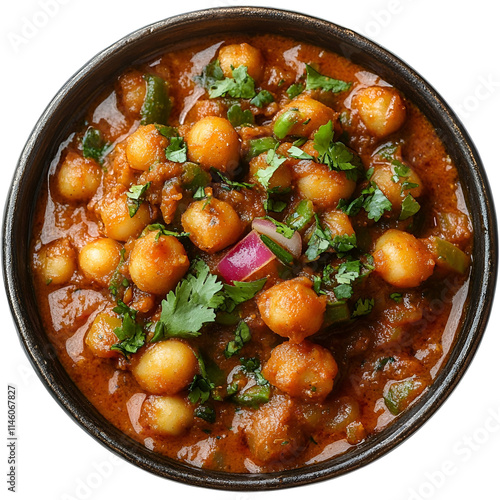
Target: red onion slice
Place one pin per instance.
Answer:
(246, 257)
(267, 227)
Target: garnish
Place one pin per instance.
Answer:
(201, 387)
(241, 85)
(409, 207)
(157, 106)
(238, 116)
(274, 160)
(262, 98)
(242, 335)
(176, 151)
(228, 184)
(190, 306)
(362, 307)
(295, 89)
(135, 197)
(130, 333)
(315, 80)
(372, 199)
(94, 146)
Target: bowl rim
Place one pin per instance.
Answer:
(45, 362)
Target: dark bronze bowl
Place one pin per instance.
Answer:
(67, 108)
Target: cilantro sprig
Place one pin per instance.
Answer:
(131, 333)
(371, 199)
(315, 80)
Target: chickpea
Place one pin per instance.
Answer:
(274, 434)
(145, 147)
(101, 336)
(99, 259)
(338, 223)
(401, 259)
(166, 367)
(167, 415)
(236, 55)
(157, 263)
(304, 370)
(57, 262)
(213, 142)
(301, 116)
(117, 221)
(322, 186)
(384, 176)
(78, 178)
(281, 178)
(292, 309)
(213, 224)
(133, 91)
(381, 109)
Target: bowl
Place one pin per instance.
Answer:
(53, 126)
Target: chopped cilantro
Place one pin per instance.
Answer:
(201, 387)
(242, 335)
(238, 116)
(262, 98)
(94, 146)
(211, 74)
(241, 291)
(118, 280)
(241, 85)
(135, 196)
(409, 207)
(228, 184)
(163, 231)
(191, 305)
(297, 153)
(274, 160)
(363, 307)
(176, 151)
(396, 297)
(315, 80)
(130, 333)
(281, 228)
(371, 199)
(335, 155)
(206, 413)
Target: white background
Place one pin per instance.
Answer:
(454, 45)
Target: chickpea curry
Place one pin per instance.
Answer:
(251, 254)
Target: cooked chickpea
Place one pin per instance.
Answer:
(401, 259)
(338, 223)
(304, 370)
(157, 263)
(213, 142)
(212, 224)
(274, 433)
(392, 186)
(57, 262)
(101, 335)
(99, 259)
(381, 109)
(145, 147)
(322, 186)
(78, 178)
(117, 221)
(301, 116)
(236, 55)
(168, 415)
(133, 91)
(166, 367)
(282, 176)
(292, 309)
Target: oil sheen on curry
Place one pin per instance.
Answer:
(252, 254)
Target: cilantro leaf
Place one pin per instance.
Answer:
(228, 184)
(409, 207)
(335, 155)
(211, 74)
(363, 307)
(262, 98)
(176, 151)
(315, 80)
(241, 291)
(297, 153)
(274, 160)
(372, 199)
(238, 116)
(281, 228)
(94, 146)
(163, 231)
(135, 196)
(241, 85)
(201, 387)
(242, 335)
(396, 297)
(191, 305)
(130, 333)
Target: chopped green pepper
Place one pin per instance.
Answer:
(285, 122)
(260, 145)
(156, 107)
(450, 256)
(301, 216)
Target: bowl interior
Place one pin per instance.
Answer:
(54, 127)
